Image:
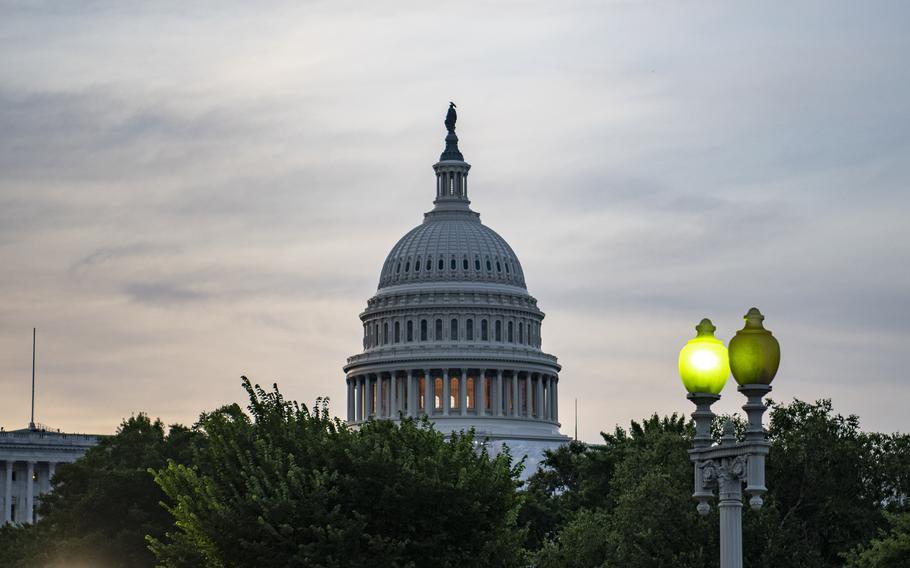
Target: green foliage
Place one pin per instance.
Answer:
(830, 487)
(890, 550)
(287, 486)
(103, 505)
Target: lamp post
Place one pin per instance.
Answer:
(704, 365)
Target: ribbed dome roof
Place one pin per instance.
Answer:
(451, 248)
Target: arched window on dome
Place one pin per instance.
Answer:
(441, 264)
(484, 331)
(498, 266)
(507, 268)
(511, 335)
(469, 330)
(454, 265)
(489, 266)
(464, 264)
(423, 330)
(498, 330)
(521, 332)
(453, 331)
(476, 264)
(417, 265)
(429, 263)
(438, 330)
(385, 333)
(407, 266)
(398, 268)
(397, 332)
(410, 325)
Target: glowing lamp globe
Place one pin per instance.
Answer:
(754, 352)
(703, 362)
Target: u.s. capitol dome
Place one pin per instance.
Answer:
(452, 332)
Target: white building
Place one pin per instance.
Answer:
(29, 458)
(452, 332)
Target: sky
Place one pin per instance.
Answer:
(195, 191)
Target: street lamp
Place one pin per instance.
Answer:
(704, 364)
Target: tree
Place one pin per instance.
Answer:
(890, 550)
(286, 486)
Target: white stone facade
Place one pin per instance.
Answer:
(453, 334)
(28, 461)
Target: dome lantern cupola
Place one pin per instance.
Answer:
(451, 171)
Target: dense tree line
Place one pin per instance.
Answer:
(281, 484)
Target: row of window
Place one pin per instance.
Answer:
(427, 264)
(525, 334)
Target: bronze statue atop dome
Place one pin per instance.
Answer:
(451, 117)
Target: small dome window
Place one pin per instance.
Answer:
(477, 264)
(441, 264)
(498, 266)
(454, 266)
(417, 266)
(398, 268)
(464, 264)
(507, 268)
(489, 266)
(429, 263)
(407, 266)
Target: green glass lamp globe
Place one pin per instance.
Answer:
(754, 352)
(703, 362)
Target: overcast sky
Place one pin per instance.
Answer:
(192, 191)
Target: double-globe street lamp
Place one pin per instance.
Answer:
(704, 365)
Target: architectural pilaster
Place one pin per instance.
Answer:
(412, 394)
(379, 394)
(516, 395)
(529, 395)
(539, 409)
(497, 396)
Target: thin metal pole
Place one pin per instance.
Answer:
(576, 419)
(31, 424)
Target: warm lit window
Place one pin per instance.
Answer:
(454, 395)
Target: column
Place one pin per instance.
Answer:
(51, 471)
(412, 394)
(497, 396)
(731, 521)
(516, 395)
(393, 395)
(350, 382)
(555, 398)
(463, 393)
(358, 399)
(429, 394)
(528, 396)
(379, 412)
(540, 402)
(480, 392)
(8, 493)
(446, 394)
(29, 493)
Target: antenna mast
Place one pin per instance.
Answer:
(31, 424)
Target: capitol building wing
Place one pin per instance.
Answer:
(452, 332)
